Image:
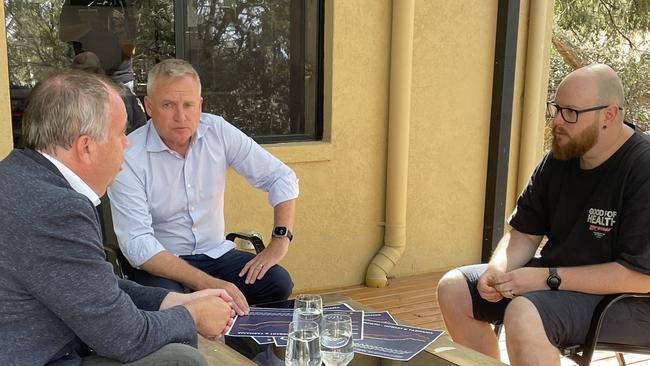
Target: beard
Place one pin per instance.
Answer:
(576, 146)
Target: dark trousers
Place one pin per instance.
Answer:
(276, 285)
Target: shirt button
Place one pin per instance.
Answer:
(189, 186)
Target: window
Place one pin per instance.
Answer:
(260, 61)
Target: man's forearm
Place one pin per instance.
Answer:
(167, 265)
(515, 249)
(605, 278)
(284, 213)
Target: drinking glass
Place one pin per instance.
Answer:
(303, 347)
(308, 307)
(336, 340)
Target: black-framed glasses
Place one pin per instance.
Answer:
(569, 115)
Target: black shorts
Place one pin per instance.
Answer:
(566, 315)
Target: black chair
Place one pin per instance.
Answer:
(582, 353)
(114, 255)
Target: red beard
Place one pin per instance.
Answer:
(574, 147)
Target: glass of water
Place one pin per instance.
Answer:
(336, 340)
(303, 347)
(308, 307)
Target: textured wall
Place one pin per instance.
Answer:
(452, 90)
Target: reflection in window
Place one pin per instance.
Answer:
(259, 60)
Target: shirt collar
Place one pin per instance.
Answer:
(155, 143)
(73, 179)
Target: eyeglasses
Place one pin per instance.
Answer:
(569, 115)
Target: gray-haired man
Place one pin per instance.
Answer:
(59, 300)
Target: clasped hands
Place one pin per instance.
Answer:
(495, 284)
(210, 309)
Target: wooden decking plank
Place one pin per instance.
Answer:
(398, 300)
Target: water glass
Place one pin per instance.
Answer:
(303, 346)
(308, 307)
(336, 340)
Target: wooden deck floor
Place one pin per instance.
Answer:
(413, 300)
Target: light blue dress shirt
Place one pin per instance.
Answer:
(164, 201)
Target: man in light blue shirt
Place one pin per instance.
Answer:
(168, 200)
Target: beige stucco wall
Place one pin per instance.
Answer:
(340, 212)
(6, 140)
(450, 120)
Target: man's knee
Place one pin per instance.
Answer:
(452, 287)
(522, 320)
(276, 285)
(281, 283)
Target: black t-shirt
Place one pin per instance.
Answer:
(591, 216)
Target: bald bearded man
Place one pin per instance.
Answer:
(589, 197)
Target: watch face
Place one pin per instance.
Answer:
(553, 282)
(280, 231)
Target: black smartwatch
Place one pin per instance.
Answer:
(281, 232)
(553, 280)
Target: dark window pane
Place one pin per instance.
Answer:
(259, 60)
(251, 58)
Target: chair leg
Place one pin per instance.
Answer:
(621, 359)
(497, 330)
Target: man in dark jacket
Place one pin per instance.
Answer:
(59, 300)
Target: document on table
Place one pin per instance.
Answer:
(379, 316)
(375, 333)
(329, 307)
(262, 323)
(393, 341)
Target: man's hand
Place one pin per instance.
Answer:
(486, 284)
(257, 267)
(521, 281)
(212, 316)
(238, 302)
(174, 298)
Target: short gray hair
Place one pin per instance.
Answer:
(171, 68)
(65, 105)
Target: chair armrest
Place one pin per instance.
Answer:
(114, 258)
(257, 242)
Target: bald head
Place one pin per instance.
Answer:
(596, 84)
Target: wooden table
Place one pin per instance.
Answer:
(442, 352)
(217, 353)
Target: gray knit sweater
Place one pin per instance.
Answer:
(58, 295)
